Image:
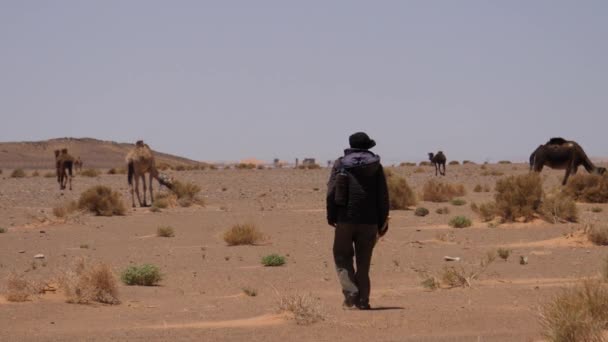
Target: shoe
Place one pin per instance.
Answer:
(363, 306)
(350, 300)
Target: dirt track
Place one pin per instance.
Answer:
(201, 296)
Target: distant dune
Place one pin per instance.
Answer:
(94, 153)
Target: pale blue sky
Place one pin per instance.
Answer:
(225, 80)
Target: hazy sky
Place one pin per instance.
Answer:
(225, 80)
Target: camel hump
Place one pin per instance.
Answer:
(557, 141)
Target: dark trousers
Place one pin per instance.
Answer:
(354, 240)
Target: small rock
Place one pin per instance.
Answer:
(21, 252)
(523, 260)
(42, 232)
(39, 256)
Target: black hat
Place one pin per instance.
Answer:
(361, 140)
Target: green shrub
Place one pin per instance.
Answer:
(460, 222)
(146, 275)
(273, 260)
(242, 234)
(590, 188)
(89, 173)
(165, 231)
(102, 201)
(421, 211)
(458, 202)
(400, 195)
(18, 173)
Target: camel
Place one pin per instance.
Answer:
(562, 154)
(140, 161)
(78, 164)
(64, 164)
(438, 160)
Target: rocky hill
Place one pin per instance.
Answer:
(94, 153)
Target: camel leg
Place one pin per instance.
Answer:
(443, 173)
(143, 179)
(568, 171)
(137, 190)
(435, 168)
(132, 195)
(151, 192)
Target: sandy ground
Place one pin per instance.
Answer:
(201, 296)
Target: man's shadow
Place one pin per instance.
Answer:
(383, 308)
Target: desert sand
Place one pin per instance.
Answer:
(201, 297)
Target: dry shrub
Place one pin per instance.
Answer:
(18, 173)
(120, 171)
(454, 162)
(559, 207)
(504, 162)
(495, 173)
(242, 234)
(164, 166)
(36, 173)
(90, 173)
(436, 191)
(180, 168)
(460, 222)
(305, 309)
(161, 201)
(86, 283)
(19, 289)
(187, 193)
(419, 170)
(518, 196)
(165, 231)
(249, 166)
(604, 270)
(102, 201)
(400, 195)
(421, 211)
(461, 276)
(407, 164)
(442, 211)
(597, 234)
(144, 275)
(425, 163)
(590, 188)
(578, 313)
(487, 210)
(478, 188)
(50, 174)
(65, 209)
(466, 162)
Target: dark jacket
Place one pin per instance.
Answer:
(367, 190)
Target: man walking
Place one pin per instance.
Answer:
(357, 206)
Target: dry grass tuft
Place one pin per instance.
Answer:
(18, 173)
(35, 174)
(460, 222)
(590, 188)
(454, 162)
(478, 188)
(443, 211)
(518, 196)
(90, 173)
(453, 276)
(243, 234)
(102, 201)
(425, 163)
(421, 211)
(165, 231)
(120, 171)
(579, 313)
(597, 234)
(187, 193)
(401, 196)
(65, 209)
(50, 174)
(86, 283)
(559, 207)
(19, 289)
(494, 173)
(305, 309)
(436, 191)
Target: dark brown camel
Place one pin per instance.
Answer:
(438, 160)
(64, 164)
(562, 154)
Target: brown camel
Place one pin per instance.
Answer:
(64, 164)
(140, 161)
(562, 154)
(438, 160)
(78, 164)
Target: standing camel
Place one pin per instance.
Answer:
(438, 160)
(140, 161)
(64, 164)
(562, 154)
